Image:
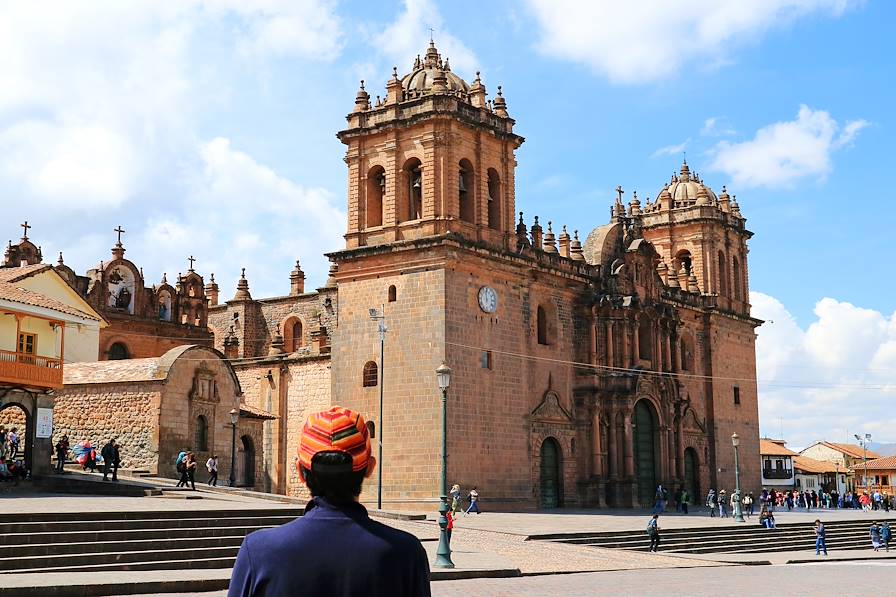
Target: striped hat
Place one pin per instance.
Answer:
(336, 430)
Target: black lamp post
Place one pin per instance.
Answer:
(234, 415)
(443, 554)
(380, 316)
(738, 510)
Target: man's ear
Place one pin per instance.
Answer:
(301, 474)
(371, 465)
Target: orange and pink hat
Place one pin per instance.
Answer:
(335, 430)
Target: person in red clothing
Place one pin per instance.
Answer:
(450, 526)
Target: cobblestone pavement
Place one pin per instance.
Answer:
(44, 502)
(841, 579)
(537, 557)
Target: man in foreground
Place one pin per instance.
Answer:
(335, 549)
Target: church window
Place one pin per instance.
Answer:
(466, 194)
(201, 434)
(735, 270)
(687, 355)
(118, 352)
(393, 294)
(369, 377)
(542, 323)
(412, 174)
(645, 341)
(494, 200)
(485, 359)
(376, 190)
(736, 395)
(292, 334)
(723, 275)
(683, 262)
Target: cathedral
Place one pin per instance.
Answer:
(587, 367)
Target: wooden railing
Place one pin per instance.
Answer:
(30, 370)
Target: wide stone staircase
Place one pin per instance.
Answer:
(745, 538)
(146, 540)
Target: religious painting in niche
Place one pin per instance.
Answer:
(121, 287)
(165, 306)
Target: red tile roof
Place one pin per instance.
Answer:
(812, 466)
(14, 274)
(878, 464)
(851, 450)
(13, 293)
(768, 447)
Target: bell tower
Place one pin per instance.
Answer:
(432, 157)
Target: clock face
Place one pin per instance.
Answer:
(488, 299)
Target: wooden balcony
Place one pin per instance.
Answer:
(30, 371)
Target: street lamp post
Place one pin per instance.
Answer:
(234, 415)
(864, 443)
(443, 554)
(380, 316)
(738, 510)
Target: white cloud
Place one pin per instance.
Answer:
(829, 380)
(716, 126)
(409, 34)
(671, 149)
(647, 40)
(784, 152)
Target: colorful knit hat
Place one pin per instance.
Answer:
(335, 430)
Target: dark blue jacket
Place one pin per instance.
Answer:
(333, 550)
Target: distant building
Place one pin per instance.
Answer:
(777, 464)
(819, 475)
(848, 456)
(881, 475)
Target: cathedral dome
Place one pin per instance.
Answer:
(687, 189)
(427, 71)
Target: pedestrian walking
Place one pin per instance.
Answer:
(820, 545)
(473, 498)
(61, 454)
(455, 499)
(684, 498)
(653, 531)
(659, 504)
(450, 526)
(885, 535)
(13, 439)
(181, 465)
(748, 505)
(212, 465)
(335, 548)
(723, 504)
(190, 462)
(712, 502)
(110, 460)
(875, 536)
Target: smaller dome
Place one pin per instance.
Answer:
(421, 79)
(685, 190)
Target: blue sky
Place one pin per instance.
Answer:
(206, 127)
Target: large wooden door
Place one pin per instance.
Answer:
(645, 452)
(550, 474)
(690, 474)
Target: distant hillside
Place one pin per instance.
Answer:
(883, 449)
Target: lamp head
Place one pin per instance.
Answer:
(374, 314)
(857, 437)
(234, 415)
(443, 374)
(735, 440)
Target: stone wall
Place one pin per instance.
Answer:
(99, 412)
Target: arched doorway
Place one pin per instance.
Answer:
(550, 495)
(691, 477)
(247, 461)
(14, 416)
(645, 442)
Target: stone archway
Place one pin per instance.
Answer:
(550, 479)
(645, 448)
(246, 465)
(14, 415)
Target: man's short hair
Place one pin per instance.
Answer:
(331, 477)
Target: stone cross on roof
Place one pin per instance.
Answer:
(120, 231)
(26, 227)
(191, 259)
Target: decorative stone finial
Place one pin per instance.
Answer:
(564, 242)
(362, 99)
(536, 234)
(60, 261)
(692, 284)
(500, 104)
(242, 288)
(549, 245)
(297, 280)
(672, 279)
(331, 278)
(522, 236)
(575, 248)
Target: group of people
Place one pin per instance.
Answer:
(472, 501)
(109, 457)
(9, 443)
(186, 465)
(720, 504)
(810, 499)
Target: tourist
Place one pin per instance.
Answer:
(748, 505)
(766, 518)
(683, 499)
(450, 526)
(885, 535)
(61, 454)
(181, 466)
(875, 536)
(13, 439)
(473, 498)
(865, 501)
(111, 460)
(5, 474)
(723, 504)
(659, 500)
(212, 465)
(2, 441)
(653, 531)
(190, 469)
(819, 538)
(712, 502)
(335, 548)
(455, 499)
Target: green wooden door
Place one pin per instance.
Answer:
(550, 474)
(690, 474)
(645, 452)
